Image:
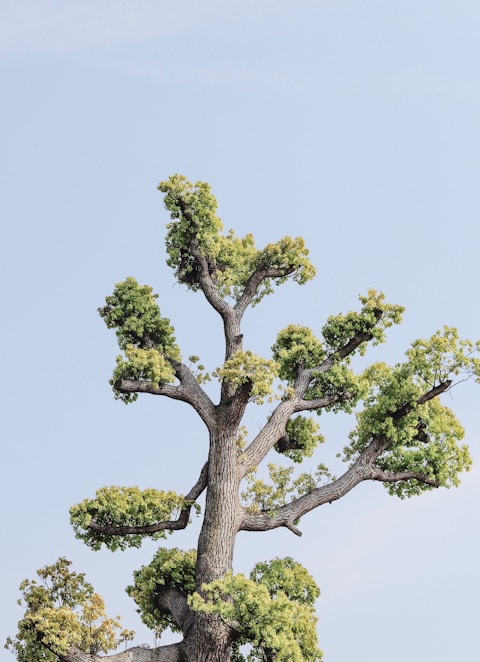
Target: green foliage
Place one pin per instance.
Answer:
(441, 458)
(296, 348)
(195, 231)
(374, 317)
(268, 496)
(425, 438)
(133, 311)
(288, 576)
(444, 356)
(62, 611)
(199, 371)
(195, 226)
(341, 382)
(272, 610)
(146, 338)
(287, 256)
(124, 506)
(248, 368)
(170, 568)
(144, 365)
(302, 434)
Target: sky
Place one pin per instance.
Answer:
(352, 124)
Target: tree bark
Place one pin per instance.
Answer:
(171, 653)
(209, 638)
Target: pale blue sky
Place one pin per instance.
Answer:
(353, 124)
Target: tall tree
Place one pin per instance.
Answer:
(404, 437)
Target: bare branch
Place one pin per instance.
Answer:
(268, 436)
(254, 282)
(188, 391)
(173, 601)
(274, 429)
(168, 525)
(320, 403)
(386, 477)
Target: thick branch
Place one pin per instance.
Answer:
(308, 374)
(173, 601)
(231, 320)
(362, 469)
(188, 391)
(254, 282)
(320, 403)
(386, 477)
(208, 287)
(170, 653)
(305, 376)
(287, 515)
(272, 431)
(429, 395)
(168, 525)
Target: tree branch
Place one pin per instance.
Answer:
(231, 320)
(170, 653)
(362, 469)
(320, 403)
(254, 282)
(287, 515)
(429, 395)
(188, 391)
(173, 601)
(386, 477)
(273, 430)
(170, 525)
(205, 279)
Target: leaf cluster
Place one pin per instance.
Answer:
(443, 356)
(272, 610)
(170, 568)
(418, 436)
(196, 233)
(300, 440)
(124, 506)
(248, 369)
(146, 338)
(375, 316)
(297, 348)
(63, 611)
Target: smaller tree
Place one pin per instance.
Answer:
(62, 613)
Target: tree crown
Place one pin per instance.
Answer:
(404, 437)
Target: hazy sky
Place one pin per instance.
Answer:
(352, 123)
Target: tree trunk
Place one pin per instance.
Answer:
(209, 638)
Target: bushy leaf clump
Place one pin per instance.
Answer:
(62, 611)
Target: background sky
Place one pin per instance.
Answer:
(353, 124)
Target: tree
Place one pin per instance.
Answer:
(404, 437)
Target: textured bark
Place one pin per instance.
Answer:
(170, 653)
